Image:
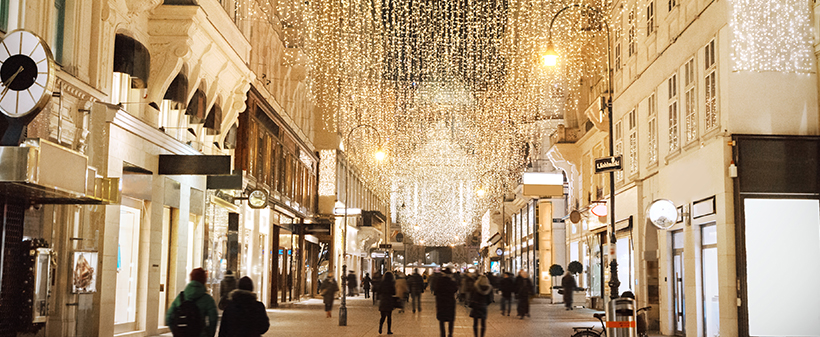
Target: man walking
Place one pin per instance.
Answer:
(507, 287)
(568, 284)
(416, 284)
(366, 285)
(446, 289)
(185, 319)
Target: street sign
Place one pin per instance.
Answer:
(607, 164)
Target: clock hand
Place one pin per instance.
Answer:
(11, 80)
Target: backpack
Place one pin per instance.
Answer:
(187, 320)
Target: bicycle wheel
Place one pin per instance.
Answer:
(586, 333)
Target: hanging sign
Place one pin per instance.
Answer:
(607, 164)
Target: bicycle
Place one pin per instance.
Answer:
(592, 332)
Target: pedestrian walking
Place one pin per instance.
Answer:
(352, 284)
(431, 281)
(446, 289)
(387, 290)
(507, 287)
(227, 285)
(524, 290)
(244, 315)
(416, 284)
(366, 285)
(328, 292)
(480, 297)
(377, 279)
(401, 290)
(193, 312)
(568, 284)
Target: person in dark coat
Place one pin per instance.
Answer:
(227, 285)
(416, 284)
(446, 289)
(328, 292)
(374, 285)
(352, 283)
(480, 296)
(507, 287)
(244, 316)
(366, 285)
(568, 284)
(524, 289)
(387, 288)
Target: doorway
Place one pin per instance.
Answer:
(709, 264)
(678, 288)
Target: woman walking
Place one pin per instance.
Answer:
(401, 290)
(446, 289)
(328, 291)
(524, 291)
(387, 289)
(479, 298)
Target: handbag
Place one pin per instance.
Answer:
(398, 303)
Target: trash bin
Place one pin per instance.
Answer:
(621, 321)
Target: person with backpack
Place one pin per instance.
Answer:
(193, 312)
(244, 316)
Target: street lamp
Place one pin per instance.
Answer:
(550, 59)
(379, 156)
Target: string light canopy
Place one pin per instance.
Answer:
(457, 89)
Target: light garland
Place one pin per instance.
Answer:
(772, 36)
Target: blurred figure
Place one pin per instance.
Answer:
(227, 285)
(366, 285)
(374, 286)
(328, 292)
(387, 291)
(480, 294)
(194, 291)
(568, 284)
(416, 284)
(401, 290)
(446, 289)
(524, 290)
(507, 287)
(352, 283)
(244, 316)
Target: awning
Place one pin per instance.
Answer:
(196, 107)
(213, 123)
(132, 58)
(178, 90)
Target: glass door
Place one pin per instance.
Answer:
(163, 267)
(709, 263)
(677, 282)
(125, 308)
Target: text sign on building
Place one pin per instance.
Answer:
(607, 164)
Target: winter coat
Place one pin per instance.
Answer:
(507, 287)
(446, 289)
(227, 285)
(244, 316)
(195, 291)
(366, 282)
(401, 287)
(351, 280)
(328, 290)
(386, 291)
(569, 285)
(523, 288)
(479, 298)
(416, 283)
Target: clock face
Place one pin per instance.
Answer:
(257, 199)
(662, 213)
(26, 74)
(499, 251)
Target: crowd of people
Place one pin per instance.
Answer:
(394, 290)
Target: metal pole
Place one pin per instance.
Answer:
(343, 304)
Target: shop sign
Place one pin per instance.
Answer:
(607, 164)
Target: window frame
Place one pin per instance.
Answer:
(711, 111)
(690, 100)
(650, 18)
(673, 114)
(652, 125)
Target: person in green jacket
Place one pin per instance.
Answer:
(195, 291)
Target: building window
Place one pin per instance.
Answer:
(650, 18)
(633, 143)
(617, 56)
(653, 129)
(672, 4)
(619, 148)
(673, 113)
(710, 85)
(632, 40)
(59, 30)
(690, 99)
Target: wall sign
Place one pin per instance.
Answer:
(703, 207)
(84, 280)
(607, 164)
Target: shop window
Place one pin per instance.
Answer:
(128, 262)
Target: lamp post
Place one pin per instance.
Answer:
(380, 155)
(550, 59)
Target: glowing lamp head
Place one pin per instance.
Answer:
(550, 57)
(380, 155)
(480, 192)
